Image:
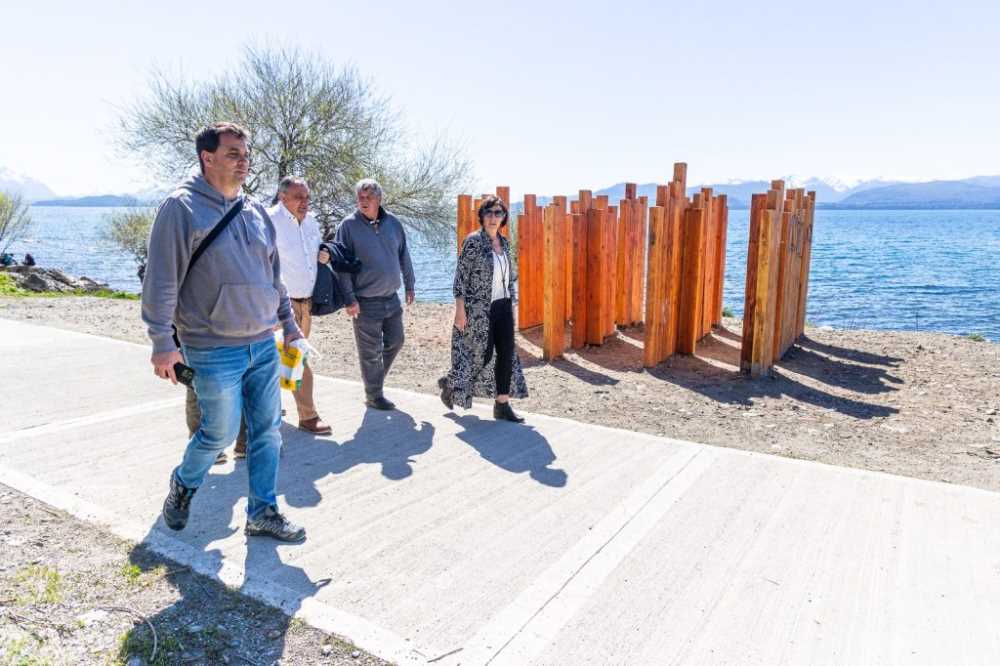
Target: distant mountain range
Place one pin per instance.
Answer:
(29, 188)
(976, 192)
(100, 201)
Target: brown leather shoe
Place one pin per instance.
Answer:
(315, 426)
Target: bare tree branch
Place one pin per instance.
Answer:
(306, 117)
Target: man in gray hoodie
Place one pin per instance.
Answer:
(224, 307)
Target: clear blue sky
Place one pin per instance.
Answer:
(550, 97)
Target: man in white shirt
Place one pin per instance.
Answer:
(298, 251)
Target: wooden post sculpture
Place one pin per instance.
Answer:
(554, 318)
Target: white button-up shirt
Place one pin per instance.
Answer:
(298, 245)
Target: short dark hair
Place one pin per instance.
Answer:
(490, 202)
(208, 137)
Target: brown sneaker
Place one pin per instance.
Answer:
(240, 452)
(315, 426)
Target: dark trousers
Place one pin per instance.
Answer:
(502, 340)
(378, 332)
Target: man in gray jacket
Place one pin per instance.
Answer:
(377, 238)
(224, 307)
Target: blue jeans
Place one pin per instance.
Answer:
(231, 381)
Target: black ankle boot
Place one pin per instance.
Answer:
(503, 412)
(446, 393)
(177, 506)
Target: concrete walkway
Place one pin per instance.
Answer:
(451, 539)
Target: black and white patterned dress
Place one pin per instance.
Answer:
(473, 360)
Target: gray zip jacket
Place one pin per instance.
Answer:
(233, 294)
(383, 254)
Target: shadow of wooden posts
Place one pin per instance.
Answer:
(714, 371)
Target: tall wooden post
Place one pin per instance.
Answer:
(554, 318)
(579, 273)
(657, 303)
(503, 193)
(807, 237)
(597, 273)
(462, 221)
(692, 291)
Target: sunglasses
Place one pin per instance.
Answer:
(494, 212)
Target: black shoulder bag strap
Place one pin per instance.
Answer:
(198, 251)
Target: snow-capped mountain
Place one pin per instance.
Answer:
(31, 189)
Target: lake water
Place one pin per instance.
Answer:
(896, 270)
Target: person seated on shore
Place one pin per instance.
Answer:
(7, 259)
(29, 260)
(484, 362)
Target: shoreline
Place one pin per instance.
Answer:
(918, 404)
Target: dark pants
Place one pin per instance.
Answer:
(502, 340)
(378, 332)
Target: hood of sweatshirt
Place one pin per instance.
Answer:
(233, 293)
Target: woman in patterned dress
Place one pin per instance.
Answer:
(484, 362)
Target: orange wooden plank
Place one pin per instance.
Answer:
(580, 236)
(691, 287)
(708, 274)
(764, 306)
(623, 282)
(464, 202)
(657, 302)
(676, 214)
(722, 232)
(680, 176)
(554, 317)
(757, 204)
(596, 274)
(779, 294)
(524, 279)
(503, 193)
(568, 251)
(611, 253)
(807, 237)
(530, 261)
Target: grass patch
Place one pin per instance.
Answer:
(9, 288)
(138, 641)
(976, 337)
(131, 573)
(19, 653)
(44, 585)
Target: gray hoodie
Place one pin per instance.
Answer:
(233, 294)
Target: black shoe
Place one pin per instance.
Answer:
(503, 412)
(380, 403)
(272, 524)
(177, 506)
(446, 393)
